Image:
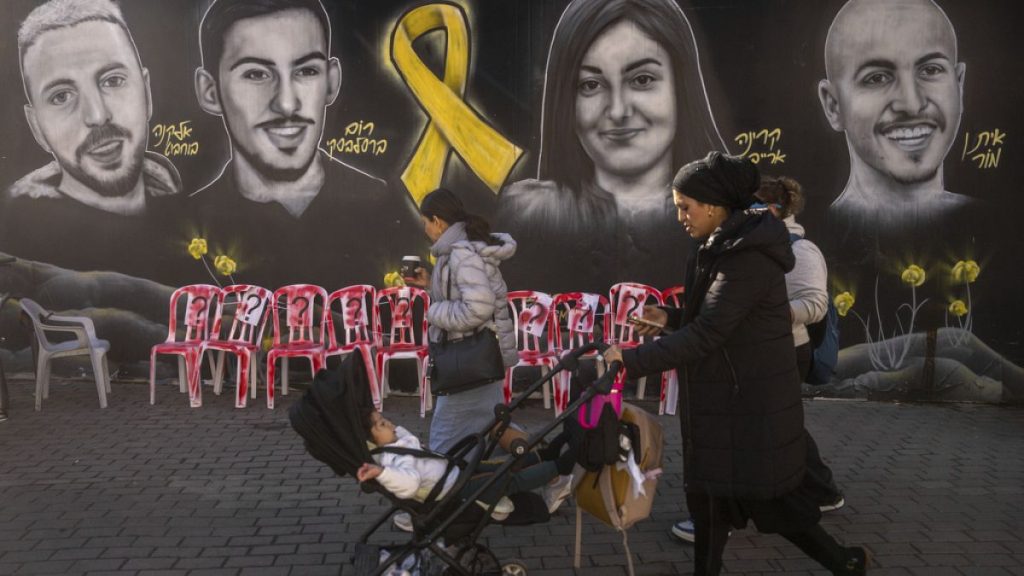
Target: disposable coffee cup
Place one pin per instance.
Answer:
(409, 266)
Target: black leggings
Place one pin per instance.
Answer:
(711, 531)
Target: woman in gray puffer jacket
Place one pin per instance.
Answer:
(469, 255)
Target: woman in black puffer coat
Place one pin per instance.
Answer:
(742, 414)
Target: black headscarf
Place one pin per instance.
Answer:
(720, 180)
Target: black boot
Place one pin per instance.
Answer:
(819, 545)
(857, 560)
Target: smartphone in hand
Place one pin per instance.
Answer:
(638, 321)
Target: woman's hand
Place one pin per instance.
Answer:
(421, 280)
(612, 354)
(368, 472)
(654, 315)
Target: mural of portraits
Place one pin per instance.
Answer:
(154, 144)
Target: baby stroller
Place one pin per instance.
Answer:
(445, 529)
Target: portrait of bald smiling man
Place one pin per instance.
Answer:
(894, 86)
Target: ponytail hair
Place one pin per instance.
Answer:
(478, 229)
(784, 191)
(444, 204)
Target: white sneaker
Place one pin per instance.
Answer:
(684, 530)
(556, 493)
(502, 509)
(833, 505)
(402, 521)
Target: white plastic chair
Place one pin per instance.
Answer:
(85, 343)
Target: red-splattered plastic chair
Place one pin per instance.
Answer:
(304, 311)
(628, 299)
(535, 337)
(580, 318)
(352, 326)
(194, 314)
(397, 308)
(674, 296)
(670, 380)
(249, 307)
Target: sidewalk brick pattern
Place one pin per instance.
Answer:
(135, 489)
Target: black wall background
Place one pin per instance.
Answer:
(762, 60)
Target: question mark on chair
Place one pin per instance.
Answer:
(526, 314)
(585, 323)
(252, 309)
(525, 317)
(634, 303)
(196, 315)
(354, 314)
(299, 319)
(537, 313)
(403, 311)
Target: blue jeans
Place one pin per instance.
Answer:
(535, 474)
(462, 414)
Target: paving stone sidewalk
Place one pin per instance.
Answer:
(136, 489)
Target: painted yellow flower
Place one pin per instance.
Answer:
(966, 271)
(957, 308)
(392, 279)
(913, 275)
(197, 248)
(225, 265)
(843, 303)
(268, 343)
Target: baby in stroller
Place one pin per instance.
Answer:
(449, 497)
(408, 475)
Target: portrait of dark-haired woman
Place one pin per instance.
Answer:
(624, 105)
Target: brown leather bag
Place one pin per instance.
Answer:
(608, 494)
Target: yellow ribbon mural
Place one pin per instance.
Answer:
(453, 123)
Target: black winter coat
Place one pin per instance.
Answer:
(741, 410)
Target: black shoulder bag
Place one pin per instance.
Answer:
(466, 363)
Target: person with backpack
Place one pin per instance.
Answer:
(740, 403)
(807, 285)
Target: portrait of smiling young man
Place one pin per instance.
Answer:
(268, 73)
(894, 86)
(88, 105)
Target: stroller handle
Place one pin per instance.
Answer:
(603, 385)
(519, 448)
(571, 359)
(596, 345)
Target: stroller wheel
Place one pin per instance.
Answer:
(513, 568)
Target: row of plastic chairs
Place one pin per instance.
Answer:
(547, 326)
(308, 323)
(382, 325)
